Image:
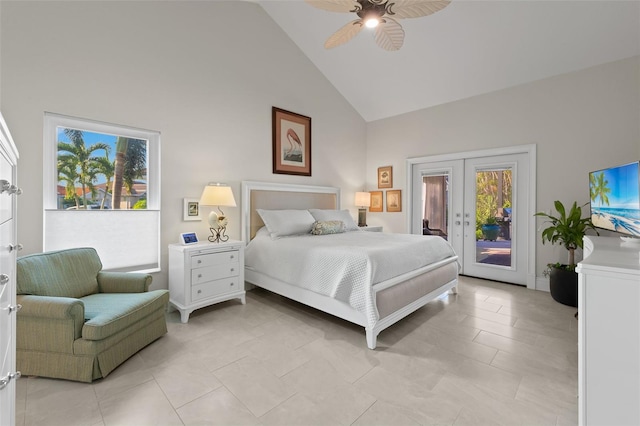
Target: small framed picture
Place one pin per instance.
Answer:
(291, 143)
(376, 201)
(394, 200)
(191, 209)
(385, 177)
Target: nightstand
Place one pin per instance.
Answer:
(372, 228)
(205, 273)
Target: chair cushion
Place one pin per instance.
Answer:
(63, 273)
(108, 313)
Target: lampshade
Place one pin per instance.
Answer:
(363, 199)
(217, 194)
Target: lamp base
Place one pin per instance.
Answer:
(218, 235)
(362, 217)
(213, 219)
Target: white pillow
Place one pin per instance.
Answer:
(343, 215)
(283, 223)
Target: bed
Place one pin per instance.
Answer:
(375, 285)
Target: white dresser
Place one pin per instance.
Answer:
(205, 273)
(609, 332)
(8, 252)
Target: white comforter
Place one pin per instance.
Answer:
(344, 266)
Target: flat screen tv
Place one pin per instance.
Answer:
(615, 198)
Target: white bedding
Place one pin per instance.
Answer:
(344, 266)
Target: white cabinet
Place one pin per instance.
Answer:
(8, 249)
(205, 273)
(609, 332)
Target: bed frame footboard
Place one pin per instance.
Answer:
(342, 310)
(389, 320)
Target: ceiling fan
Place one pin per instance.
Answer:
(378, 14)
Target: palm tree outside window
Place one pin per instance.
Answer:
(87, 163)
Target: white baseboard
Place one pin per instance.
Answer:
(542, 284)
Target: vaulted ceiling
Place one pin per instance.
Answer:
(469, 48)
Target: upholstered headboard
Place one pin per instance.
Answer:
(275, 196)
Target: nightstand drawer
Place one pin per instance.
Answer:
(214, 288)
(209, 259)
(202, 275)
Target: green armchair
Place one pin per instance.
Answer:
(78, 322)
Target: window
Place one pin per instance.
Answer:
(102, 190)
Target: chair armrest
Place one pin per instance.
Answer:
(123, 282)
(51, 307)
(49, 323)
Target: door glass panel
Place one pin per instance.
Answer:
(435, 211)
(493, 216)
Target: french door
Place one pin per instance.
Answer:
(483, 205)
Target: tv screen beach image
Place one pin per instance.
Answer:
(615, 199)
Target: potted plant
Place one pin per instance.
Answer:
(490, 229)
(566, 228)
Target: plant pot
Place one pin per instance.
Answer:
(490, 232)
(563, 286)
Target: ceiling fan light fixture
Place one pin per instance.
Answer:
(381, 15)
(372, 22)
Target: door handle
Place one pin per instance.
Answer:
(4, 278)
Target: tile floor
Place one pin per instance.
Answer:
(494, 354)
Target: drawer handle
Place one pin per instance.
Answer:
(199, 275)
(232, 256)
(232, 269)
(231, 284)
(199, 291)
(4, 382)
(14, 308)
(5, 186)
(199, 261)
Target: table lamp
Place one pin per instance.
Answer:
(217, 194)
(363, 200)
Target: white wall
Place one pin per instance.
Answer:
(204, 74)
(580, 122)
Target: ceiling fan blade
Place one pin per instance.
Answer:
(401, 9)
(344, 34)
(336, 5)
(389, 35)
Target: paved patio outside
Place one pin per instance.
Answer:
(494, 252)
